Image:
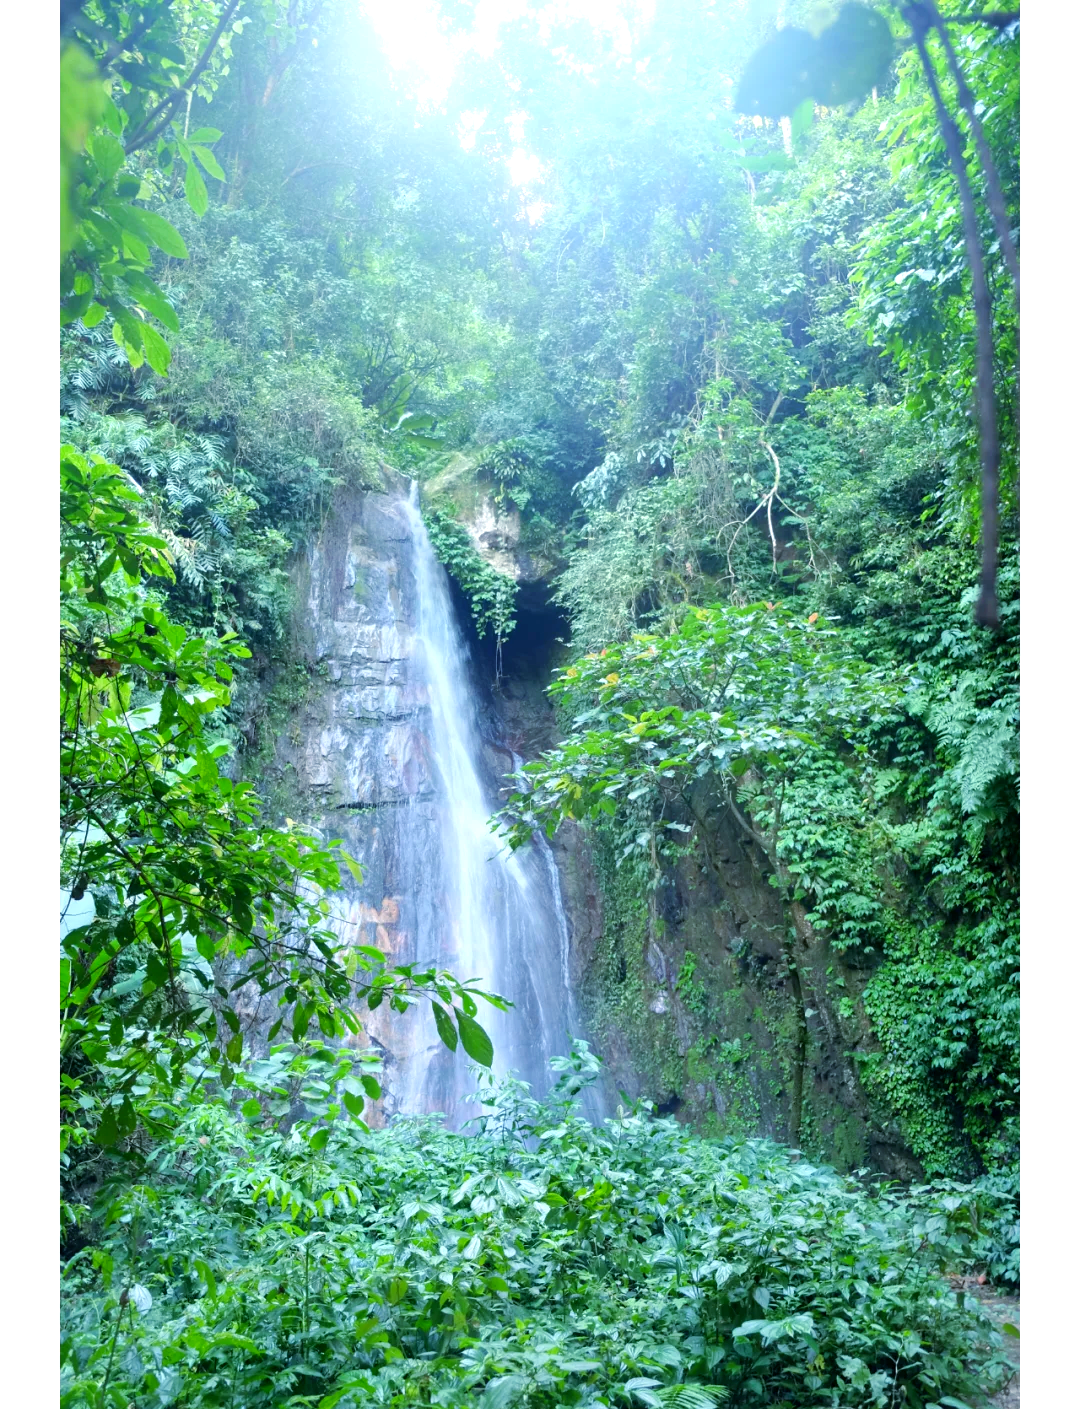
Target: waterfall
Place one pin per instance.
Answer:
(501, 916)
(406, 748)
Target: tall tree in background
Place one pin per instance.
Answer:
(842, 64)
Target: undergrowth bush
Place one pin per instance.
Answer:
(539, 1262)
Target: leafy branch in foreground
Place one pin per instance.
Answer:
(733, 688)
(196, 904)
(122, 78)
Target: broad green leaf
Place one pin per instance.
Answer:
(158, 353)
(473, 1038)
(445, 1027)
(195, 189)
(209, 162)
(357, 874)
(353, 1104)
(107, 1133)
(778, 76)
(132, 350)
(849, 58)
(853, 56)
(107, 153)
(768, 161)
(502, 1392)
(150, 226)
(82, 102)
(802, 119)
(151, 297)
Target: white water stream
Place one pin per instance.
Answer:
(492, 915)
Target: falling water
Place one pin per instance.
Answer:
(440, 889)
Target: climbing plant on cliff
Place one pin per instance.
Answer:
(491, 594)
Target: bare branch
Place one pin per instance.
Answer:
(317, 166)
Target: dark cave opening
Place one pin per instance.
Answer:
(537, 645)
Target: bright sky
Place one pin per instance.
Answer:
(417, 45)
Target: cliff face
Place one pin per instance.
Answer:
(343, 744)
(685, 993)
(393, 746)
(691, 1005)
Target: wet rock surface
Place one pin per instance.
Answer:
(359, 752)
(397, 750)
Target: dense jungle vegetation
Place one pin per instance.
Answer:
(729, 373)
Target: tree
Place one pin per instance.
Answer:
(193, 899)
(842, 64)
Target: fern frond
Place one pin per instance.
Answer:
(693, 1396)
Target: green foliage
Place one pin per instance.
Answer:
(692, 991)
(732, 374)
(852, 497)
(841, 65)
(192, 899)
(118, 97)
(971, 1227)
(913, 281)
(732, 690)
(230, 562)
(490, 593)
(538, 1262)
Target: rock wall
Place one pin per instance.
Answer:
(684, 992)
(396, 748)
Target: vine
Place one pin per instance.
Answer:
(491, 594)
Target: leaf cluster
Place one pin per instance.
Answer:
(538, 1262)
(194, 903)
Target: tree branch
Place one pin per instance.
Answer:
(996, 19)
(146, 132)
(994, 194)
(316, 166)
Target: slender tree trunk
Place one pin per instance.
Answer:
(986, 610)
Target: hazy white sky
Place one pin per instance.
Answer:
(417, 45)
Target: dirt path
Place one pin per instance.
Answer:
(1003, 1307)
